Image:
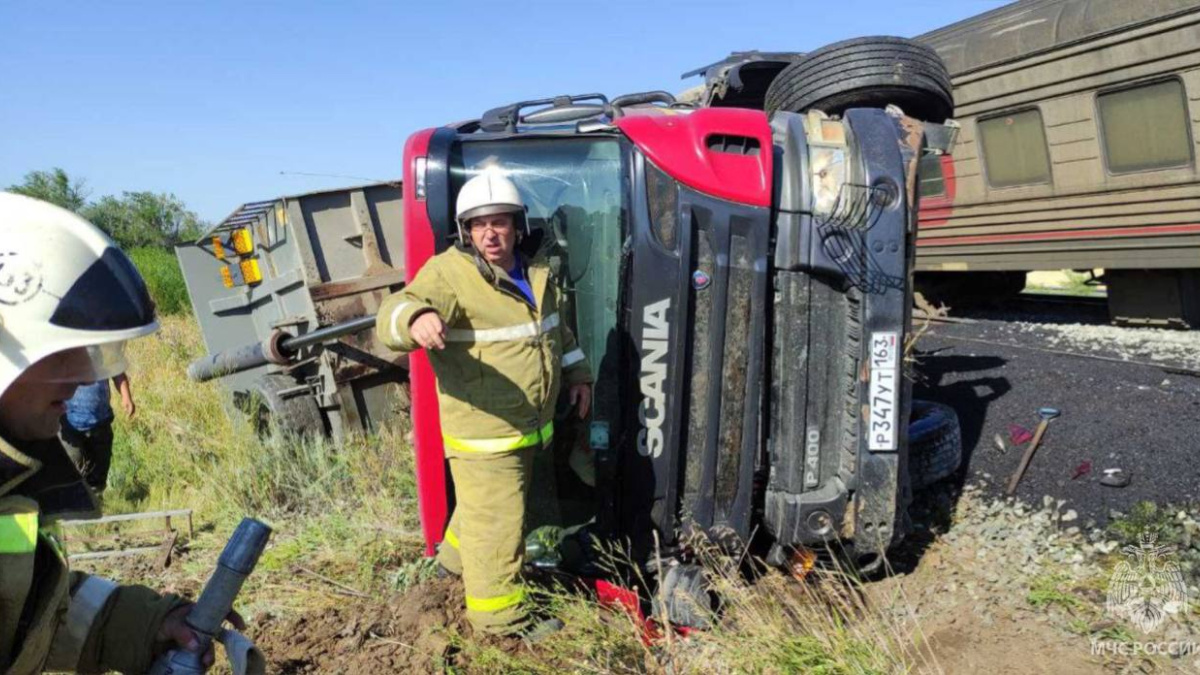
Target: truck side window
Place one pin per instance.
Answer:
(1014, 149)
(1145, 127)
(573, 190)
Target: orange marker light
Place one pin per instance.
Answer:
(250, 271)
(242, 242)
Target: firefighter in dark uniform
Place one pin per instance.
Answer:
(69, 300)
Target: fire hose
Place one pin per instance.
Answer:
(236, 563)
(280, 348)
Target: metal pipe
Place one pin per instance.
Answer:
(279, 348)
(237, 561)
(294, 344)
(227, 362)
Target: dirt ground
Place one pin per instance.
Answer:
(960, 594)
(956, 637)
(408, 634)
(413, 632)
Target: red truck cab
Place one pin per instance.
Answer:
(741, 286)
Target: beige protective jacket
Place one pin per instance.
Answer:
(52, 619)
(505, 360)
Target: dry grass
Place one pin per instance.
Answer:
(183, 448)
(766, 622)
(349, 513)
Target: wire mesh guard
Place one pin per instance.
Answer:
(843, 235)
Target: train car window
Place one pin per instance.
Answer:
(1014, 149)
(1145, 127)
(930, 177)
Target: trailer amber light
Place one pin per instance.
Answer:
(242, 242)
(218, 248)
(226, 277)
(251, 273)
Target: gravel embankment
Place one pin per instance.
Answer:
(1008, 586)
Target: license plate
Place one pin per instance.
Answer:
(885, 387)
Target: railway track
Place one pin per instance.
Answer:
(1061, 299)
(1051, 310)
(1029, 307)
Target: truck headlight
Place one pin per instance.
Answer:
(828, 176)
(828, 152)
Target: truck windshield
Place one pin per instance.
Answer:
(573, 189)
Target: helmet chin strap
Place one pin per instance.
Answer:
(485, 268)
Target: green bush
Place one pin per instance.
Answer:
(163, 278)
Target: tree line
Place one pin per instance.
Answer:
(133, 220)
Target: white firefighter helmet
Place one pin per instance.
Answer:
(65, 288)
(487, 194)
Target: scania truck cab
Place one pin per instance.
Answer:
(740, 283)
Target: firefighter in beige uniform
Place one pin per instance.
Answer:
(69, 301)
(500, 350)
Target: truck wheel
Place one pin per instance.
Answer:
(684, 590)
(293, 414)
(934, 443)
(869, 72)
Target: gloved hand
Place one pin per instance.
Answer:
(175, 632)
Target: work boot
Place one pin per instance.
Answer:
(540, 630)
(444, 573)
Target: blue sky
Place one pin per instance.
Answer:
(213, 100)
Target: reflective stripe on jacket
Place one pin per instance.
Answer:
(504, 361)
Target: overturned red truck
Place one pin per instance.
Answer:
(740, 274)
(741, 285)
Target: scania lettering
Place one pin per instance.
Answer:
(655, 333)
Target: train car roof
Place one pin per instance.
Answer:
(1028, 27)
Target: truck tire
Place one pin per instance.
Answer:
(870, 72)
(298, 415)
(934, 443)
(684, 590)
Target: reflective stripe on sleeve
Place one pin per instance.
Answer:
(500, 602)
(86, 602)
(572, 357)
(504, 444)
(451, 539)
(505, 334)
(18, 532)
(396, 317)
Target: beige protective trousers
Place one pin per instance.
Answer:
(499, 497)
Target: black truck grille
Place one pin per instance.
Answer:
(735, 372)
(712, 274)
(724, 365)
